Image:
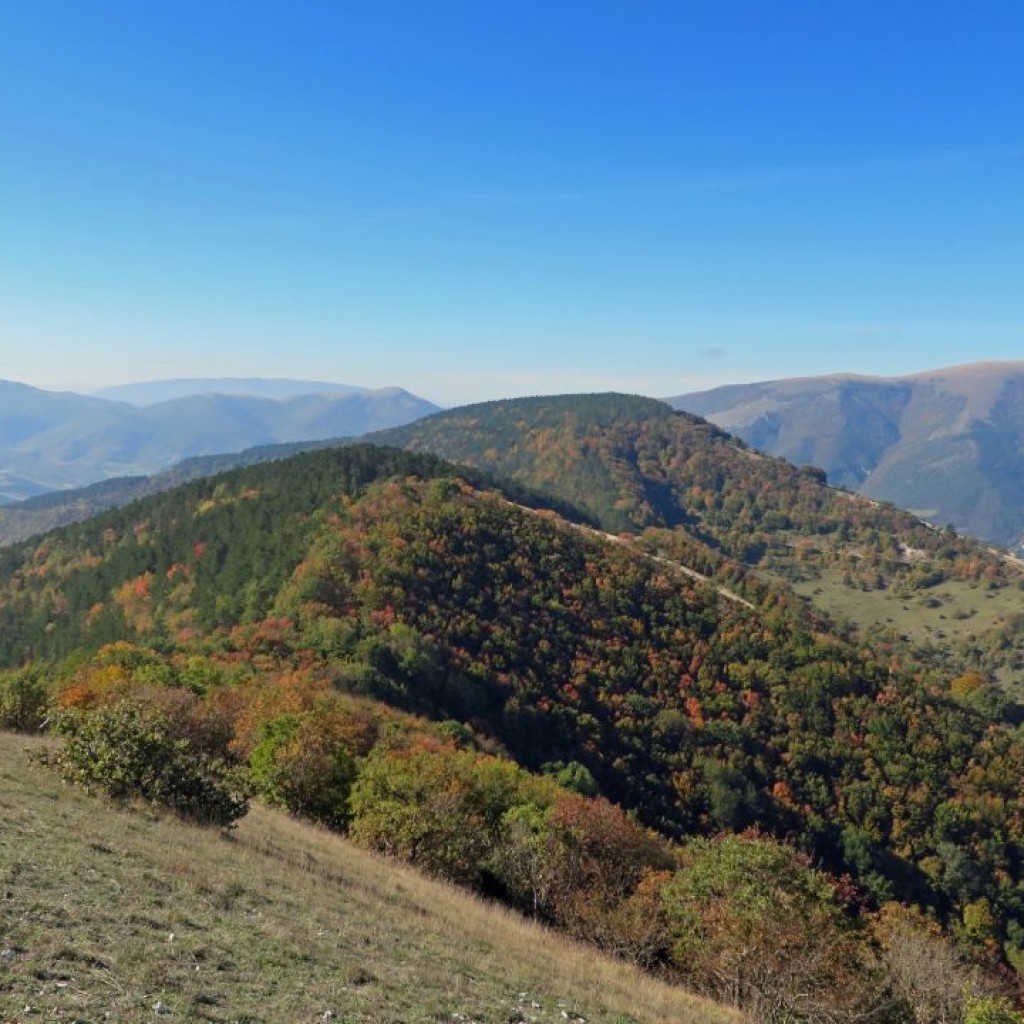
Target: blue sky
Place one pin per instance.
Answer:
(482, 199)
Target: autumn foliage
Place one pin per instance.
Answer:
(396, 651)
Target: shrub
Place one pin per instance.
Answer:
(924, 970)
(130, 749)
(602, 856)
(23, 700)
(584, 864)
(754, 926)
(438, 807)
(991, 1011)
(307, 763)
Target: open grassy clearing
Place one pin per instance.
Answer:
(107, 912)
(953, 608)
(950, 612)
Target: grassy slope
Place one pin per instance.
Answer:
(953, 611)
(281, 922)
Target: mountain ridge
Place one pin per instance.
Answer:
(51, 441)
(149, 392)
(947, 444)
(701, 497)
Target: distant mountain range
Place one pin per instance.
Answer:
(947, 444)
(149, 392)
(50, 441)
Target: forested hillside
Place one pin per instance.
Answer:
(634, 463)
(217, 550)
(702, 496)
(23, 519)
(255, 607)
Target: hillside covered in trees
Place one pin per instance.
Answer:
(701, 496)
(633, 463)
(696, 493)
(459, 674)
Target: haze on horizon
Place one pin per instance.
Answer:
(474, 201)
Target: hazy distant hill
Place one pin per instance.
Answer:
(52, 441)
(947, 444)
(149, 392)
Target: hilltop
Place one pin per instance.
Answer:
(697, 494)
(693, 491)
(23, 519)
(690, 490)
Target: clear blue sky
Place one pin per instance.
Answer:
(489, 198)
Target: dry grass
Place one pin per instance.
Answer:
(107, 911)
